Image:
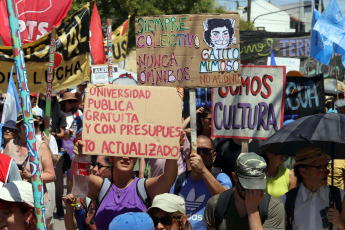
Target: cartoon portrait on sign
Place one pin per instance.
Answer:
(219, 33)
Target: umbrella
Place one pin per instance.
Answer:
(324, 130)
(331, 85)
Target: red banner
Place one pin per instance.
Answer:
(36, 18)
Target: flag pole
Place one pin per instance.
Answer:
(336, 73)
(311, 34)
(50, 81)
(110, 52)
(36, 178)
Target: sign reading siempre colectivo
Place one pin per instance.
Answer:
(188, 51)
(132, 121)
(252, 110)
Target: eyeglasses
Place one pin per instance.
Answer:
(8, 129)
(99, 165)
(70, 101)
(205, 151)
(165, 220)
(320, 168)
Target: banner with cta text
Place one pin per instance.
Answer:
(71, 57)
(252, 110)
(133, 121)
(304, 96)
(189, 51)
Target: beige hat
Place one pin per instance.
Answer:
(68, 96)
(20, 116)
(309, 154)
(17, 191)
(168, 203)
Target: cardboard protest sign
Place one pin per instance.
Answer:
(252, 110)
(71, 56)
(304, 96)
(133, 121)
(99, 74)
(188, 51)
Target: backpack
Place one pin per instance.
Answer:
(183, 176)
(223, 203)
(334, 196)
(106, 185)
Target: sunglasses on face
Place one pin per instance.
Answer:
(99, 165)
(8, 129)
(205, 151)
(320, 168)
(165, 220)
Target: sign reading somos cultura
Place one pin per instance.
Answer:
(188, 51)
(132, 121)
(252, 110)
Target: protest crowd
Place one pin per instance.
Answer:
(194, 140)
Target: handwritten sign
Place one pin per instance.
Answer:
(132, 121)
(304, 96)
(252, 110)
(188, 51)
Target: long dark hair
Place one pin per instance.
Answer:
(202, 115)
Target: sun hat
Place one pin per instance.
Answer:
(20, 116)
(250, 170)
(17, 191)
(132, 220)
(33, 95)
(10, 124)
(68, 96)
(309, 154)
(38, 111)
(168, 203)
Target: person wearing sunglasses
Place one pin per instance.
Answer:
(315, 205)
(246, 206)
(9, 132)
(102, 167)
(201, 183)
(168, 212)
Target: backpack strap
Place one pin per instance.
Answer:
(106, 185)
(178, 185)
(222, 206)
(215, 172)
(142, 193)
(335, 197)
(290, 206)
(263, 207)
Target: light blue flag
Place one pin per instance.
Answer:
(338, 49)
(320, 47)
(273, 60)
(12, 103)
(331, 24)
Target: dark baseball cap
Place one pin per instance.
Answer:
(251, 171)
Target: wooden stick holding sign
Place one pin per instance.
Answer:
(50, 81)
(110, 52)
(192, 111)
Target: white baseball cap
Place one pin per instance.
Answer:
(17, 191)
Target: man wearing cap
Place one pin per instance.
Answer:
(340, 106)
(309, 206)
(242, 205)
(201, 183)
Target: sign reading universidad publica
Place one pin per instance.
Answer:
(132, 121)
(189, 51)
(254, 109)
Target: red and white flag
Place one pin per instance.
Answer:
(96, 38)
(36, 18)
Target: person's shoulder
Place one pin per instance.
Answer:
(275, 204)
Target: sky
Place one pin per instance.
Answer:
(232, 3)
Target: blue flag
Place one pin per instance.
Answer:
(331, 24)
(320, 47)
(273, 60)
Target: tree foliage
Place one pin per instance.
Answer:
(245, 25)
(119, 10)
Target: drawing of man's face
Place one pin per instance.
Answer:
(220, 37)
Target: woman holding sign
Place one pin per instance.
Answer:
(124, 192)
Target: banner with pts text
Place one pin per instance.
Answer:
(188, 51)
(132, 121)
(254, 109)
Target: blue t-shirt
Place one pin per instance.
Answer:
(196, 194)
